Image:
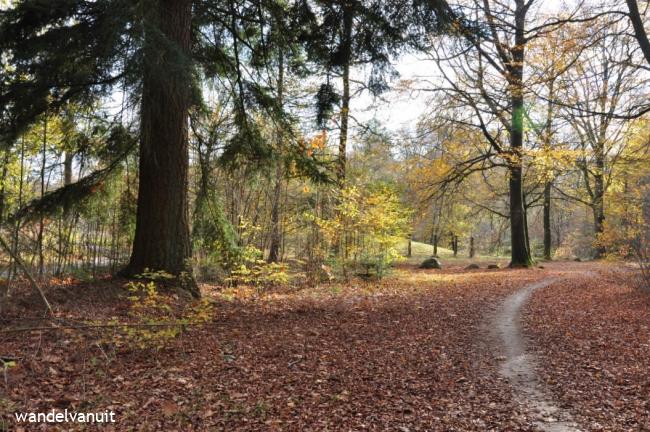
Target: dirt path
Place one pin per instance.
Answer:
(518, 366)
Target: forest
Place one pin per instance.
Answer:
(327, 215)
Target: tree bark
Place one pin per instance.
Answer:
(162, 238)
(598, 199)
(547, 220)
(598, 209)
(520, 254)
(3, 188)
(41, 222)
(16, 228)
(276, 237)
(67, 168)
(639, 29)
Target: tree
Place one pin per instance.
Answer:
(79, 52)
(345, 34)
(485, 78)
(82, 51)
(551, 55)
(162, 237)
(602, 83)
(639, 30)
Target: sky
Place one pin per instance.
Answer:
(398, 110)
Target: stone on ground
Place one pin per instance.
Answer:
(431, 263)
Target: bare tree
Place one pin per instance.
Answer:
(603, 82)
(639, 30)
(485, 80)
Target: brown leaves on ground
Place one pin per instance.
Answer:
(406, 354)
(399, 355)
(593, 336)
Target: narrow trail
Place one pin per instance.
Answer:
(518, 366)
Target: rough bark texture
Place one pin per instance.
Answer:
(520, 255)
(41, 222)
(162, 240)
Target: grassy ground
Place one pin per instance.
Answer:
(421, 251)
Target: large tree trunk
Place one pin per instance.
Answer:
(162, 240)
(547, 220)
(520, 254)
(276, 235)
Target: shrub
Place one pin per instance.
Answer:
(154, 318)
(365, 230)
(253, 270)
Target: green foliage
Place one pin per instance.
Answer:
(213, 236)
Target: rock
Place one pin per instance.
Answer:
(472, 267)
(578, 259)
(493, 266)
(431, 263)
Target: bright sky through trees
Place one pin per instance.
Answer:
(401, 109)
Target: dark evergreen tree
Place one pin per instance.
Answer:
(61, 51)
(342, 34)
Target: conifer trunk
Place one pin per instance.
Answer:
(162, 239)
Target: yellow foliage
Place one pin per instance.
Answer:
(366, 228)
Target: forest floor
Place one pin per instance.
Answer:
(565, 347)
